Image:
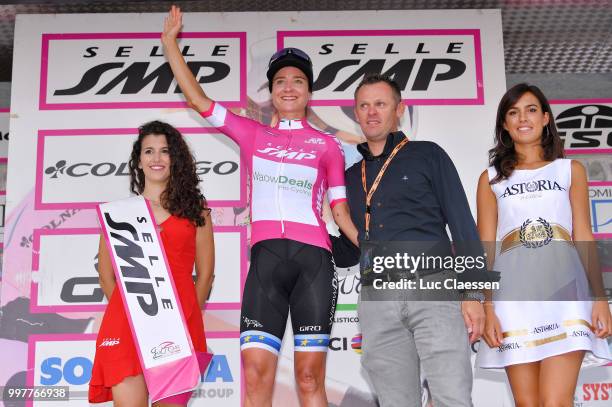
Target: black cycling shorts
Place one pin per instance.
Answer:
(286, 274)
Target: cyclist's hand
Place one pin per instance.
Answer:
(173, 23)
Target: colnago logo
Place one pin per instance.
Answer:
(109, 70)
(104, 169)
(532, 186)
(585, 126)
(430, 66)
(282, 180)
(79, 168)
(290, 153)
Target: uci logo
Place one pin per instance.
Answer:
(586, 126)
(342, 344)
(104, 169)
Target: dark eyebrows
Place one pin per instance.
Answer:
(530, 105)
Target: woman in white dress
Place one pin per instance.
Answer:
(534, 203)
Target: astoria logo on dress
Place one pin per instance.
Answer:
(532, 186)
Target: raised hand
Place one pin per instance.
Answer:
(173, 24)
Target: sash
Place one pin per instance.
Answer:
(167, 357)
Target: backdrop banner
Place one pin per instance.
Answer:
(83, 84)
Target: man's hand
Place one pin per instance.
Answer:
(474, 318)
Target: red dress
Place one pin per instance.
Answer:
(116, 356)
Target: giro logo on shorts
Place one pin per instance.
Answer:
(124, 70)
(430, 66)
(310, 328)
(586, 126)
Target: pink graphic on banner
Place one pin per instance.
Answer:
(19, 238)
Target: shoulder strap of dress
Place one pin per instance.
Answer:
(492, 172)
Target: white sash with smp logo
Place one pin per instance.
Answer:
(167, 357)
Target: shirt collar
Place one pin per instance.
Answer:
(289, 124)
(393, 139)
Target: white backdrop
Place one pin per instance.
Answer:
(83, 84)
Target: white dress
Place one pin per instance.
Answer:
(542, 303)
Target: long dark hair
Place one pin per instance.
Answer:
(503, 156)
(182, 196)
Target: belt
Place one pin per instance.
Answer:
(534, 234)
(368, 279)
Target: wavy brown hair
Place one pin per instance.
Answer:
(182, 196)
(503, 156)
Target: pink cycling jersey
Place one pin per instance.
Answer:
(292, 165)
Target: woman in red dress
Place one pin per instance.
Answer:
(163, 171)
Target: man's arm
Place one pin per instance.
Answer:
(456, 210)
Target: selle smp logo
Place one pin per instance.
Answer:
(426, 64)
(281, 152)
(586, 126)
(108, 342)
(104, 69)
(103, 169)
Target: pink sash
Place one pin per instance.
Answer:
(169, 362)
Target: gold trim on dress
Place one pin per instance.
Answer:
(571, 322)
(543, 341)
(516, 332)
(512, 238)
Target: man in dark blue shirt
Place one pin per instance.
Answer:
(413, 193)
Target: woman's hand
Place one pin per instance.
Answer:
(173, 24)
(492, 332)
(602, 320)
